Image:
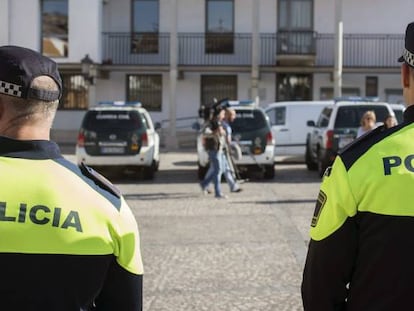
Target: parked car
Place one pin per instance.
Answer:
(252, 136)
(336, 127)
(289, 124)
(120, 136)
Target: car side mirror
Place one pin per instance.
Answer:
(310, 123)
(157, 125)
(196, 126)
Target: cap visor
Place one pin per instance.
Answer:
(401, 59)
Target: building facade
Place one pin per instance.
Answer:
(174, 55)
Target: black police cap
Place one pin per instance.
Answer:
(19, 66)
(408, 53)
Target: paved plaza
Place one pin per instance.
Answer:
(243, 253)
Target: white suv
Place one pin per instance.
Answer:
(252, 135)
(337, 127)
(119, 135)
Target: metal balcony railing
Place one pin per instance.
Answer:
(361, 50)
(125, 48)
(235, 49)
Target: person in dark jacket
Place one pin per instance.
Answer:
(361, 252)
(69, 240)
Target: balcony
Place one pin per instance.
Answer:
(235, 50)
(296, 48)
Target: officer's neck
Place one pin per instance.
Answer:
(25, 132)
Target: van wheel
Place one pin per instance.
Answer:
(310, 164)
(269, 172)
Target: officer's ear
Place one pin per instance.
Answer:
(2, 101)
(405, 75)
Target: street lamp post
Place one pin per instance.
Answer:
(88, 69)
(337, 75)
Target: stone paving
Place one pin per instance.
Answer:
(243, 253)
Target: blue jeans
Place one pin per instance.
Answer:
(214, 172)
(228, 174)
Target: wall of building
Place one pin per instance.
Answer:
(379, 16)
(4, 22)
(19, 18)
(385, 81)
(85, 28)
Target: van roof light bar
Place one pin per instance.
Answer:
(120, 103)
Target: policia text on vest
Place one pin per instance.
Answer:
(42, 215)
(396, 161)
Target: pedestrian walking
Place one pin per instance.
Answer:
(227, 164)
(68, 241)
(361, 252)
(213, 143)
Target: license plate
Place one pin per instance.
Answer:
(112, 150)
(245, 149)
(343, 141)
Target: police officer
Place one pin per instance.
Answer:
(361, 253)
(68, 240)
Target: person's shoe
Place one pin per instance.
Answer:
(237, 190)
(221, 196)
(205, 191)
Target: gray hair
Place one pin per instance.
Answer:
(34, 109)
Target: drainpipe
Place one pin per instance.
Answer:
(9, 17)
(171, 138)
(337, 75)
(255, 50)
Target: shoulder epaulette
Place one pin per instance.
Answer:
(99, 180)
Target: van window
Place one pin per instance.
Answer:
(350, 117)
(399, 115)
(112, 119)
(249, 120)
(323, 120)
(277, 116)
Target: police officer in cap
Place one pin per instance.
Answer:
(361, 252)
(68, 240)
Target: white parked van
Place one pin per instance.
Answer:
(289, 128)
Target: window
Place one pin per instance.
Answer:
(293, 87)
(75, 93)
(146, 89)
(218, 87)
(295, 27)
(145, 26)
(54, 28)
(371, 86)
(112, 119)
(277, 116)
(248, 121)
(295, 15)
(351, 116)
(219, 26)
(324, 117)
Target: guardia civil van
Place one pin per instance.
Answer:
(120, 136)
